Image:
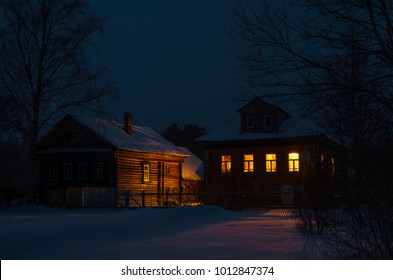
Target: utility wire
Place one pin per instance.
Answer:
(183, 86)
(208, 93)
(183, 106)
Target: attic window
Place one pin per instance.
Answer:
(250, 122)
(268, 121)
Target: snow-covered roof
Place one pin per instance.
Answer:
(291, 127)
(142, 139)
(192, 167)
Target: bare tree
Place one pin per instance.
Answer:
(332, 57)
(295, 44)
(335, 58)
(44, 68)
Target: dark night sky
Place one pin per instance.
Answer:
(172, 60)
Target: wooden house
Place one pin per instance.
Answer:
(88, 162)
(266, 157)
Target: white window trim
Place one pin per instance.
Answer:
(145, 172)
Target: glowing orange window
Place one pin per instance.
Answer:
(271, 164)
(293, 162)
(226, 164)
(248, 163)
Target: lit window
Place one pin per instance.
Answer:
(225, 164)
(250, 122)
(333, 166)
(52, 172)
(248, 163)
(67, 171)
(293, 161)
(97, 171)
(146, 172)
(268, 121)
(82, 171)
(322, 162)
(271, 163)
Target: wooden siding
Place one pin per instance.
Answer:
(165, 174)
(260, 180)
(55, 191)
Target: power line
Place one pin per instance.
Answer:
(142, 98)
(183, 86)
(183, 106)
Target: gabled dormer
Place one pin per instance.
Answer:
(259, 116)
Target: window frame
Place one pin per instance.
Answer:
(145, 172)
(269, 166)
(270, 120)
(333, 166)
(226, 165)
(248, 164)
(67, 171)
(293, 163)
(82, 176)
(53, 173)
(98, 171)
(250, 122)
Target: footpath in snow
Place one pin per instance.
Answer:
(204, 232)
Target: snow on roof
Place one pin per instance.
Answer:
(142, 139)
(192, 167)
(292, 127)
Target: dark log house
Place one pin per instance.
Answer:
(88, 162)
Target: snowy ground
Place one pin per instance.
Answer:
(180, 233)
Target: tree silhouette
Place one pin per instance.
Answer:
(335, 60)
(44, 72)
(185, 137)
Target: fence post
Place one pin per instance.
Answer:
(181, 195)
(143, 198)
(127, 199)
(167, 198)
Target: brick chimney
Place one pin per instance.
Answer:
(128, 122)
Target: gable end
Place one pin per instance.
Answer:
(258, 116)
(69, 133)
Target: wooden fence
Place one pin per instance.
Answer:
(228, 200)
